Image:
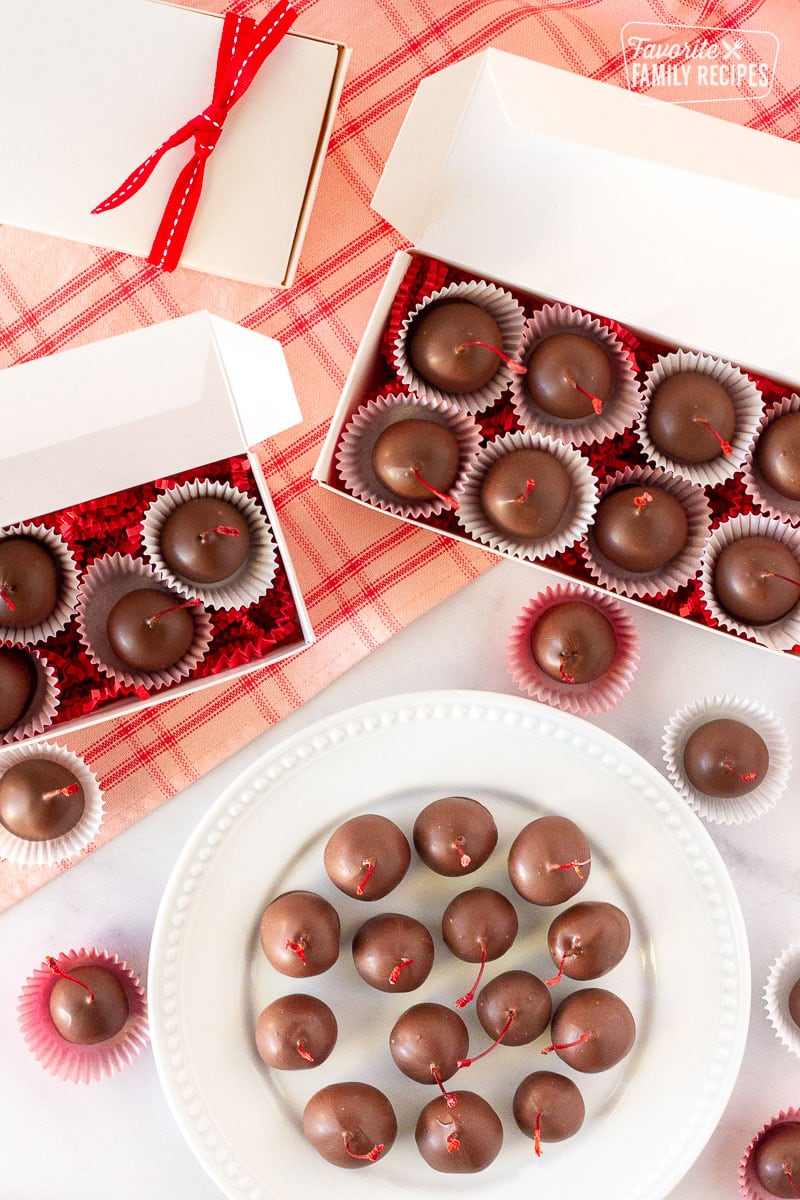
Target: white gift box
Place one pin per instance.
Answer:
(120, 413)
(90, 88)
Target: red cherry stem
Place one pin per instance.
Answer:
(597, 403)
(724, 446)
(467, 1062)
(775, 575)
(449, 1098)
(585, 1037)
(4, 596)
(56, 969)
(452, 1143)
(511, 363)
(466, 999)
(575, 866)
(370, 864)
(448, 500)
(562, 670)
(301, 1050)
(787, 1170)
(642, 501)
(530, 484)
(298, 948)
(557, 978)
(537, 1134)
(463, 857)
(395, 975)
(150, 622)
(225, 530)
(371, 1156)
(745, 776)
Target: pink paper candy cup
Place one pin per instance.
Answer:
(749, 1185)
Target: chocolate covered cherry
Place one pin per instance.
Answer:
(592, 1030)
(725, 758)
(29, 582)
(462, 1139)
(588, 939)
(640, 529)
(393, 953)
(548, 1108)
(439, 351)
(149, 630)
(757, 580)
(455, 835)
(295, 1033)
(416, 459)
(549, 860)
(777, 455)
(205, 540)
(88, 1006)
(526, 493)
(573, 642)
(40, 799)
(776, 1159)
(478, 926)
(691, 418)
(367, 857)
(17, 684)
(350, 1124)
(427, 1043)
(517, 1002)
(569, 376)
(300, 934)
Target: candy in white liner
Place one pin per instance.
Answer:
(61, 615)
(782, 976)
(769, 501)
(40, 712)
(24, 853)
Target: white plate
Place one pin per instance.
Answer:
(686, 976)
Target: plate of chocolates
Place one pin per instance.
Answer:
(333, 1007)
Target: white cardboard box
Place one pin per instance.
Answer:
(90, 88)
(123, 412)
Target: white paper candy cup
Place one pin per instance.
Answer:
(24, 853)
(783, 975)
(61, 615)
(43, 704)
(749, 1186)
(771, 502)
(733, 810)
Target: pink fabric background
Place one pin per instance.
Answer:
(364, 575)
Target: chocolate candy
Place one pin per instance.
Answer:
(40, 799)
(455, 835)
(92, 1010)
(367, 857)
(17, 685)
(592, 1030)
(518, 995)
(573, 642)
(747, 581)
(350, 1124)
(793, 1002)
(300, 934)
(428, 1041)
(725, 758)
(460, 1140)
(560, 366)
(641, 528)
(295, 1033)
(414, 459)
(777, 455)
(438, 351)
(479, 925)
(393, 953)
(525, 493)
(588, 939)
(205, 540)
(684, 410)
(776, 1158)
(549, 860)
(548, 1107)
(144, 634)
(29, 582)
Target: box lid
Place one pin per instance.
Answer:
(124, 411)
(672, 221)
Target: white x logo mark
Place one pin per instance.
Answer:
(732, 48)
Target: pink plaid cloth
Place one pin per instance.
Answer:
(364, 575)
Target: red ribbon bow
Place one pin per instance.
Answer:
(243, 48)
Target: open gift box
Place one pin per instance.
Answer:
(674, 228)
(94, 436)
(95, 87)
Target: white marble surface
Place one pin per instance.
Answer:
(118, 1137)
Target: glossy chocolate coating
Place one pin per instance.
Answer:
(368, 841)
(573, 642)
(480, 921)
(745, 586)
(555, 1100)
(413, 450)
(537, 853)
(793, 1002)
(306, 920)
(393, 953)
(452, 829)
(17, 685)
(353, 1115)
(29, 579)
(640, 537)
(86, 1019)
(437, 351)
(775, 1156)
(23, 809)
(777, 455)
(676, 413)
(602, 1014)
(719, 752)
(146, 644)
(523, 514)
(296, 1033)
(428, 1038)
(460, 1140)
(590, 938)
(523, 994)
(192, 549)
(557, 360)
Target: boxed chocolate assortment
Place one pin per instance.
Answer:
(140, 553)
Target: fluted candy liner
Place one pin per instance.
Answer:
(22, 852)
(354, 456)
(749, 1185)
(781, 978)
(747, 403)
(624, 403)
(59, 618)
(43, 704)
(107, 581)
(256, 575)
(573, 524)
(725, 810)
(769, 501)
(779, 635)
(583, 699)
(510, 318)
(70, 1061)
